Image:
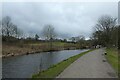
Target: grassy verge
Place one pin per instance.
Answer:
(119, 63)
(112, 57)
(55, 70)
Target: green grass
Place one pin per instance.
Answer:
(112, 57)
(55, 70)
(119, 63)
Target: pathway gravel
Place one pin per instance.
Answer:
(90, 65)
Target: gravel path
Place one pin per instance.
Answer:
(91, 65)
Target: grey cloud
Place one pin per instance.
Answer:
(69, 19)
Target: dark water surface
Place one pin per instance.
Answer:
(26, 65)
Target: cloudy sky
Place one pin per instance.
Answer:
(68, 19)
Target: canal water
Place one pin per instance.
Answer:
(25, 66)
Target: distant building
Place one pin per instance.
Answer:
(68, 40)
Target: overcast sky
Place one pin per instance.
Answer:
(69, 19)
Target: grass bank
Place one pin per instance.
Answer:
(119, 63)
(55, 70)
(21, 48)
(112, 57)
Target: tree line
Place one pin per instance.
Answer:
(106, 32)
(9, 29)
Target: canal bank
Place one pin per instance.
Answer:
(36, 51)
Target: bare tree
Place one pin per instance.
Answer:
(106, 23)
(6, 26)
(104, 27)
(10, 29)
(49, 33)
